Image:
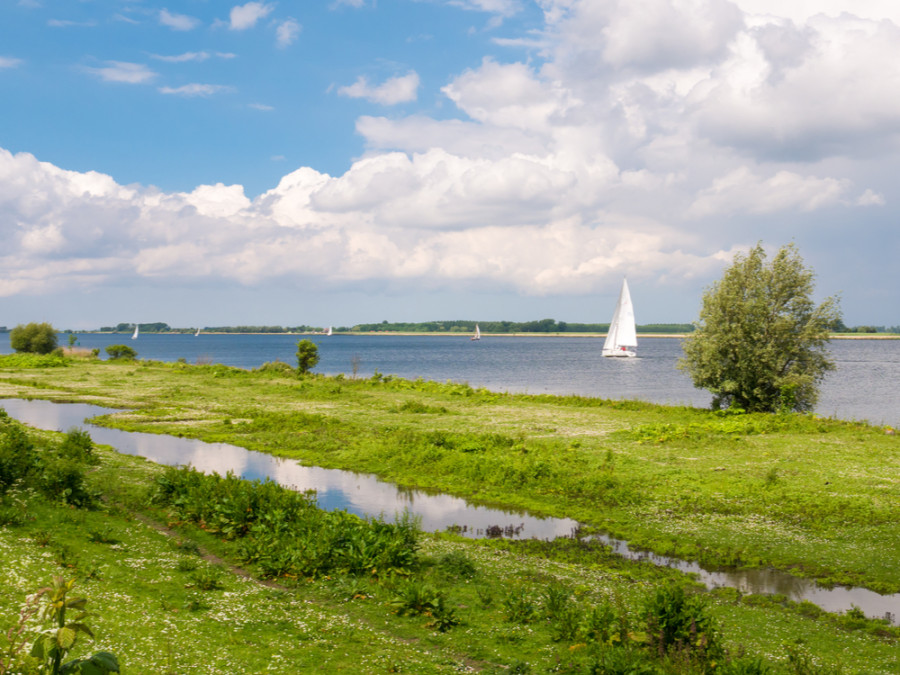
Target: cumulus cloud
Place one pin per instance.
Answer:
(243, 17)
(123, 72)
(871, 198)
(177, 21)
(741, 190)
(648, 137)
(395, 90)
(287, 32)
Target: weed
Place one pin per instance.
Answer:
(208, 579)
(187, 565)
(519, 606)
(458, 565)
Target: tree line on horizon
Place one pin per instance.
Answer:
(457, 326)
(501, 327)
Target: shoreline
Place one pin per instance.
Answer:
(839, 336)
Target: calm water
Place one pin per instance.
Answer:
(862, 388)
(365, 495)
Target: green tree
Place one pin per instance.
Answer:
(307, 356)
(121, 352)
(37, 338)
(760, 343)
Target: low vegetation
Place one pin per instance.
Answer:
(190, 573)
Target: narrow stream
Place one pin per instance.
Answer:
(366, 495)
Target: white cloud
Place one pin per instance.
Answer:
(825, 100)
(508, 96)
(196, 89)
(401, 89)
(9, 62)
(871, 198)
(177, 21)
(243, 17)
(287, 32)
(647, 136)
(123, 72)
(182, 58)
(67, 23)
(502, 8)
(741, 190)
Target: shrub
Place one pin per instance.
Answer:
(37, 338)
(123, 352)
(677, 622)
(17, 457)
(77, 445)
(63, 479)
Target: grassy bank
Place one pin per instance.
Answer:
(818, 497)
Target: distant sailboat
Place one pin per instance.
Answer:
(197, 333)
(328, 332)
(134, 336)
(621, 340)
(477, 335)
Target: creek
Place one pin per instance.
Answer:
(367, 496)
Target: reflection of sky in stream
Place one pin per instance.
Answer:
(362, 494)
(365, 495)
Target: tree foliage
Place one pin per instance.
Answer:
(307, 356)
(37, 338)
(760, 343)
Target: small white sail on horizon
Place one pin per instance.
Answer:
(621, 340)
(477, 335)
(329, 331)
(197, 333)
(134, 335)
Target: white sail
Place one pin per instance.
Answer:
(621, 340)
(134, 336)
(197, 333)
(477, 335)
(329, 331)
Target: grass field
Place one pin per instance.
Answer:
(815, 496)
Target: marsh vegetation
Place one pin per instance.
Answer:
(296, 587)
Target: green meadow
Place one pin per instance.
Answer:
(186, 574)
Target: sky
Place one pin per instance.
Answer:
(205, 163)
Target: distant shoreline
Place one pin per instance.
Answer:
(841, 336)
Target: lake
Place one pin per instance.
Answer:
(862, 388)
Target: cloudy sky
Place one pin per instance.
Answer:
(204, 163)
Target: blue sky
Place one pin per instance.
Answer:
(203, 162)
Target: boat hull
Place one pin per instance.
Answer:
(619, 353)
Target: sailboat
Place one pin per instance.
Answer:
(329, 331)
(621, 340)
(134, 336)
(197, 333)
(477, 335)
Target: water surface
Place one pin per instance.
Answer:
(863, 387)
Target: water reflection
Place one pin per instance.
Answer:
(362, 494)
(365, 495)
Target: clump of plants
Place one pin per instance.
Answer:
(56, 472)
(283, 532)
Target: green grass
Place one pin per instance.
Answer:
(816, 496)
